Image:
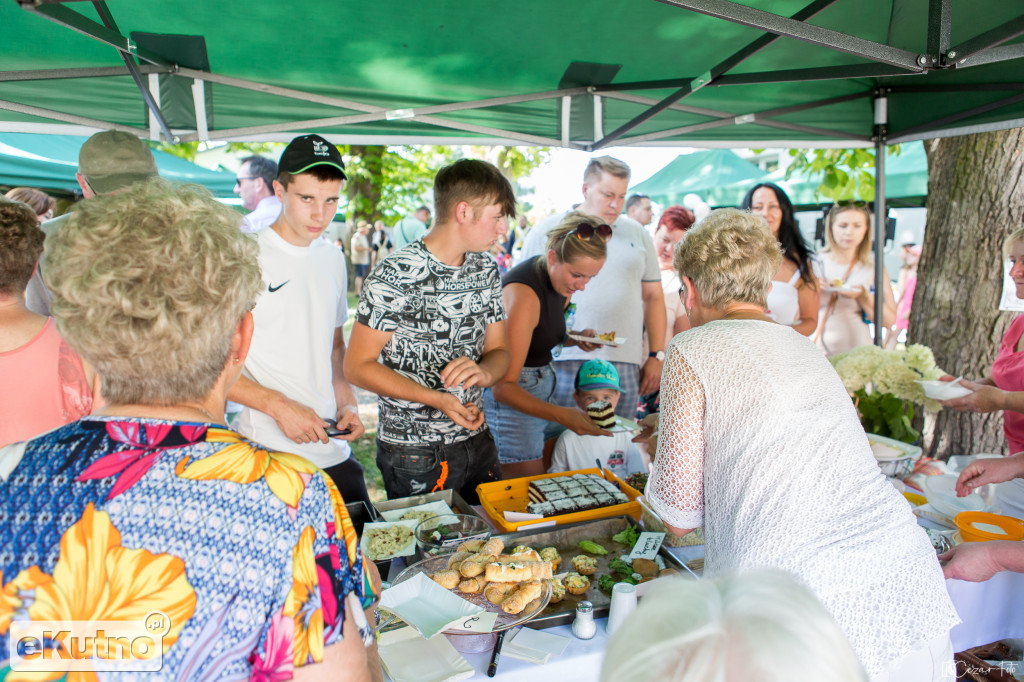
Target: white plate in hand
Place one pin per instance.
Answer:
(840, 290)
(619, 340)
(944, 390)
(623, 424)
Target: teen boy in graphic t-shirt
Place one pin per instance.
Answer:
(430, 336)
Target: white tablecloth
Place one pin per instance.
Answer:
(580, 662)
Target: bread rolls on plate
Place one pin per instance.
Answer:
(517, 601)
(472, 585)
(494, 547)
(446, 579)
(508, 573)
(496, 592)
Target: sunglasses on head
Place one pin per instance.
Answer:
(587, 231)
(851, 202)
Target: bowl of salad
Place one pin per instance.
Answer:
(443, 534)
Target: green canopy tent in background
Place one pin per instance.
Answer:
(702, 173)
(49, 162)
(587, 75)
(906, 183)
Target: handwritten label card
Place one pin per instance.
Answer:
(647, 546)
(478, 622)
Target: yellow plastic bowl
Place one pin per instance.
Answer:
(968, 522)
(915, 499)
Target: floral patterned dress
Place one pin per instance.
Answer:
(249, 553)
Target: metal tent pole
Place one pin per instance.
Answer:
(881, 211)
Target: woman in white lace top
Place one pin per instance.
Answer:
(761, 446)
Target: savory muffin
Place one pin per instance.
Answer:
(576, 583)
(584, 565)
(551, 554)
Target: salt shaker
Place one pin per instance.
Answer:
(584, 627)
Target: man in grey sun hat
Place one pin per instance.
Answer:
(107, 162)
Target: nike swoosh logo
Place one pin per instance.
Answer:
(273, 289)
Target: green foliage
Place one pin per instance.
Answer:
(188, 150)
(184, 150)
(845, 171)
(386, 183)
(886, 415)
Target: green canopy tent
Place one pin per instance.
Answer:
(49, 162)
(687, 72)
(763, 73)
(702, 173)
(906, 183)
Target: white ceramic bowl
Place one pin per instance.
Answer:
(944, 390)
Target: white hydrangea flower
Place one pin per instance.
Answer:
(920, 359)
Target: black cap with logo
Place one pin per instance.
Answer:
(307, 151)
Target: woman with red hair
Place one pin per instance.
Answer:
(672, 227)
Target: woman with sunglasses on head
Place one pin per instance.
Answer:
(536, 294)
(848, 275)
(793, 299)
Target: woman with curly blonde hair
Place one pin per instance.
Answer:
(761, 447)
(151, 503)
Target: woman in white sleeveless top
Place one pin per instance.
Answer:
(809, 500)
(793, 297)
(848, 277)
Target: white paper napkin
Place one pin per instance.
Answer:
(407, 657)
(425, 605)
(534, 646)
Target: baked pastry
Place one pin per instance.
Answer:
(602, 414)
(607, 336)
(525, 554)
(494, 547)
(470, 546)
(517, 601)
(645, 567)
(472, 585)
(496, 592)
(446, 579)
(456, 559)
(566, 494)
(507, 573)
(474, 565)
(540, 570)
(557, 590)
(551, 554)
(576, 583)
(584, 565)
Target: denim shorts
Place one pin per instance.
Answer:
(519, 436)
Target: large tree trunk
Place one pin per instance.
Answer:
(364, 185)
(975, 199)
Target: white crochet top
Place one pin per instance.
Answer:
(760, 444)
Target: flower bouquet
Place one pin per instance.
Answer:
(884, 389)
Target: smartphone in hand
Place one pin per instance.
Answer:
(332, 428)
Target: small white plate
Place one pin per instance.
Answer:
(619, 340)
(436, 508)
(839, 290)
(623, 424)
(405, 550)
(943, 390)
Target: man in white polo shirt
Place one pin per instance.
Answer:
(624, 297)
(293, 376)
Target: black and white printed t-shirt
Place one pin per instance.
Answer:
(437, 313)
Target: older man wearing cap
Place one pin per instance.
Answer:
(108, 161)
(293, 379)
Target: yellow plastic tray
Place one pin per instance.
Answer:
(513, 495)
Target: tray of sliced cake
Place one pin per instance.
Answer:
(557, 499)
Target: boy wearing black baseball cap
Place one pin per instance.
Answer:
(293, 376)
